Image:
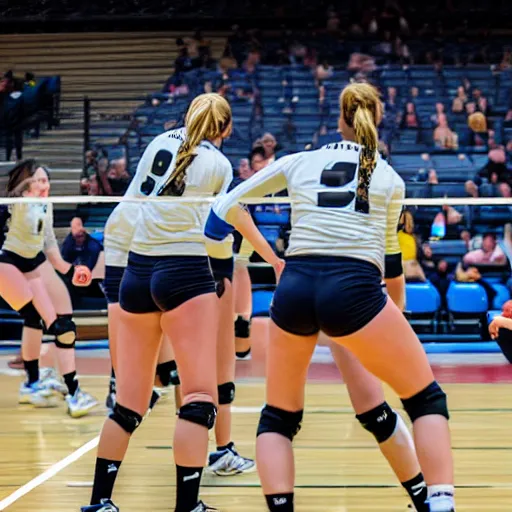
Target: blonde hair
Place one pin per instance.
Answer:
(477, 122)
(361, 110)
(208, 117)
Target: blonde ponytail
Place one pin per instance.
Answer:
(362, 110)
(208, 118)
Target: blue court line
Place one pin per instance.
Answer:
(481, 347)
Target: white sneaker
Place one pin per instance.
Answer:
(229, 462)
(50, 379)
(80, 403)
(35, 394)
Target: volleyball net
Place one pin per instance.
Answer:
(458, 255)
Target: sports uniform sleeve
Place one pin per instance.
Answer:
(270, 180)
(50, 240)
(393, 258)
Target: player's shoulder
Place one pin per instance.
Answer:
(207, 153)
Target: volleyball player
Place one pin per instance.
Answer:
(168, 288)
(79, 402)
(346, 205)
(21, 282)
(119, 231)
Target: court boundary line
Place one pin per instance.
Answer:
(53, 470)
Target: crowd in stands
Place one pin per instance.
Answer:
(24, 103)
(104, 177)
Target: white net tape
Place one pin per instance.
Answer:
(451, 201)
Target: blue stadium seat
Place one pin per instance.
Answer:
(261, 300)
(502, 295)
(466, 298)
(422, 298)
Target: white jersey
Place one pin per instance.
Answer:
(29, 225)
(165, 229)
(322, 187)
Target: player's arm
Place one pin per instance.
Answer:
(51, 247)
(225, 213)
(394, 275)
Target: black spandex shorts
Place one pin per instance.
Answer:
(112, 283)
(162, 283)
(25, 265)
(222, 268)
(336, 295)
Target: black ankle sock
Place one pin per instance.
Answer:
(71, 382)
(243, 354)
(227, 447)
(105, 476)
(32, 369)
(280, 502)
(188, 481)
(417, 490)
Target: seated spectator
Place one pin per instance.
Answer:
(391, 103)
(495, 172)
(269, 144)
(244, 169)
(409, 249)
(90, 168)
(104, 188)
(257, 159)
(459, 100)
(410, 118)
(30, 80)
(118, 177)
(470, 108)
(79, 248)
(444, 137)
(489, 254)
(507, 123)
(414, 93)
(436, 272)
(470, 274)
(323, 71)
(439, 110)
(446, 223)
(457, 106)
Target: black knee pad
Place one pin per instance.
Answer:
(242, 327)
(31, 318)
(127, 419)
(200, 413)
(432, 400)
(381, 421)
(64, 330)
(168, 373)
(277, 421)
(220, 288)
(226, 393)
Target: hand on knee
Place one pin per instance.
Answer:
(199, 408)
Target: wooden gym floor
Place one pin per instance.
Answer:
(338, 465)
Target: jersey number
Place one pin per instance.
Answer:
(161, 163)
(339, 175)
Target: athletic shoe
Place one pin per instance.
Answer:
(229, 462)
(104, 506)
(202, 507)
(80, 404)
(35, 394)
(49, 379)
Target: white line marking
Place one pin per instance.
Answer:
(246, 410)
(79, 484)
(49, 473)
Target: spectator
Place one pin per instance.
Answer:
(30, 80)
(80, 248)
(409, 248)
(457, 106)
(104, 188)
(269, 144)
(495, 173)
(444, 137)
(414, 93)
(257, 159)
(118, 177)
(410, 118)
(244, 169)
(323, 71)
(470, 108)
(439, 110)
(435, 272)
(90, 169)
(490, 253)
(470, 274)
